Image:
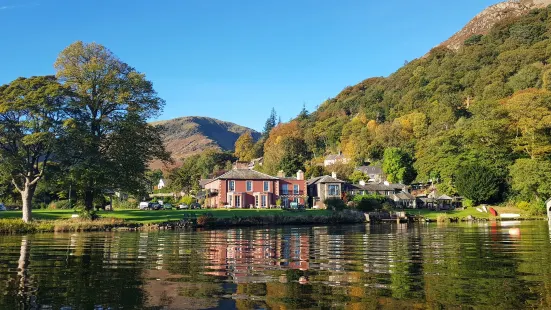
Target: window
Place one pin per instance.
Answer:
(232, 186)
(256, 200)
(285, 189)
(285, 202)
(266, 186)
(295, 189)
(238, 201)
(249, 186)
(334, 190)
(264, 201)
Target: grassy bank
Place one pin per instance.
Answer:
(62, 221)
(461, 214)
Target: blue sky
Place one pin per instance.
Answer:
(234, 59)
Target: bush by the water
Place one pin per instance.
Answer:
(532, 208)
(368, 203)
(335, 204)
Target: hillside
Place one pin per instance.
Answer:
(484, 21)
(486, 101)
(186, 136)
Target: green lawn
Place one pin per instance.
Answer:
(139, 216)
(464, 213)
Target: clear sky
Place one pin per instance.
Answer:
(234, 59)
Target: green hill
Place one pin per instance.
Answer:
(486, 102)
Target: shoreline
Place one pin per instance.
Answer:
(17, 226)
(105, 224)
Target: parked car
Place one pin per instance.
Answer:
(195, 205)
(2, 207)
(143, 205)
(154, 206)
(228, 207)
(167, 206)
(183, 206)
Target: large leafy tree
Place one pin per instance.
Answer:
(244, 147)
(32, 111)
(531, 178)
(110, 141)
(478, 183)
(398, 166)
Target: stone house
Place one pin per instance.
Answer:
(324, 187)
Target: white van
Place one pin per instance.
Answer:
(143, 205)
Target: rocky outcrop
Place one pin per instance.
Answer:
(484, 21)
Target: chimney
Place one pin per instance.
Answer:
(281, 174)
(334, 175)
(300, 175)
(362, 182)
(386, 183)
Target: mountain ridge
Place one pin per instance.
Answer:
(189, 135)
(485, 20)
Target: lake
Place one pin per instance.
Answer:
(416, 266)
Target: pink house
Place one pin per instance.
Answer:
(245, 189)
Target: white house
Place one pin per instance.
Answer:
(335, 159)
(161, 184)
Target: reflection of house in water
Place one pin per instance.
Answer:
(245, 258)
(164, 291)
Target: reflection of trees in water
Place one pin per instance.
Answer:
(381, 266)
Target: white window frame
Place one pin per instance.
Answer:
(264, 201)
(231, 186)
(338, 190)
(296, 189)
(247, 186)
(266, 186)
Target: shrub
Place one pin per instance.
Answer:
(187, 200)
(205, 220)
(85, 214)
(442, 218)
(60, 204)
(467, 203)
(368, 203)
(532, 208)
(124, 205)
(335, 204)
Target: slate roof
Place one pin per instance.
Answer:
(370, 169)
(244, 174)
(324, 179)
(404, 196)
(204, 182)
(334, 157)
(375, 187)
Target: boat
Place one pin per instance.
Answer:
(510, 216)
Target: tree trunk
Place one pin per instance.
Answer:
(89, 199)
(27, 197)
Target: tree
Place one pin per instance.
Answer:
(398, 166)
(244, 147)
(530, 116)
(358, 176)
(110, 142)
(271, 122)
(478, 183)
(31, 120)
(303, 115)
(531, 178)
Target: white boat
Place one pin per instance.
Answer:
(509, 215)
(480, 210)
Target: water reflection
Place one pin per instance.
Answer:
(498, 265)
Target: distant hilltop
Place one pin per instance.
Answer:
(186, 136)
(485, 20)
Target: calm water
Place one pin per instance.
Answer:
(478, 266)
